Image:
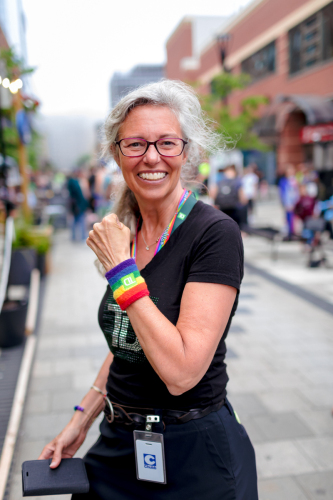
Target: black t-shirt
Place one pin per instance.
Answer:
(206, 248)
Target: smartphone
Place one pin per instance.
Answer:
(38, 479)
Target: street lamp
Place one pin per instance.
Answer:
(223, 43)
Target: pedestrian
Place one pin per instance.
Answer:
(250, 183)
(78, 206)
(165, 316)
(289, 194)
(230, 196)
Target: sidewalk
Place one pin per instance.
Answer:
(280, 364)
(70, 351)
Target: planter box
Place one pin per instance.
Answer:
(22, 263)
(12, 323)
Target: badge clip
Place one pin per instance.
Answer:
(150, 420)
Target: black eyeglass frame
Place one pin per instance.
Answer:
(150, 144)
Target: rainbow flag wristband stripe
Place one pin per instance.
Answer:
(126, 283)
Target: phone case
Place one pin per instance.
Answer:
(38, 479)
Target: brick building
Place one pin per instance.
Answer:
(287, 48)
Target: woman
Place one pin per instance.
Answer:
(167, 318)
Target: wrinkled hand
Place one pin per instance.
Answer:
(110, 240)
(65, 445)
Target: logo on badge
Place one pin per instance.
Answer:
(181, 216)
(149, 461)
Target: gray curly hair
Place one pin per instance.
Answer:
(197, 129)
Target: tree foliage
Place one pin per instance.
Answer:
(238, 128)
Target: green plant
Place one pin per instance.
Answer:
(32, 237)
(238, 129)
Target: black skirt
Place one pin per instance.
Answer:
(211, 458)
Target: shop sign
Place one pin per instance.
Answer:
(317, 133)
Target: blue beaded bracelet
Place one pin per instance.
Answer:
(78, 408)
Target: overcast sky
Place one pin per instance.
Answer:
(77, 45)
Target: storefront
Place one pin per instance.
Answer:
(317, 142)
(300, 129)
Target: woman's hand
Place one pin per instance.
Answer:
(110, 240)
(65, 445)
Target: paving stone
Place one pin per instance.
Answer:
(281, 426)
(15, 492)
(28, 450)
(318, 485)
(285, 488)
(285, 380)
(65, 400)
(37, 403)
(281, 458)
(319, 421)
(247, 383)
(243, 310)
(319, 450)
(84, 380)
(231, 354)
(236, 329)
(319, 396)
(51, 383)
(98, 351)
(247, 404)
(280, 401)
(45, 426)
(254, 433)
(246, 296)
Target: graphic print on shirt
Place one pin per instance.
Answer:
(119, 333)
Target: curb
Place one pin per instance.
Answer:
(16, 413)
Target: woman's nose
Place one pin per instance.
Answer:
(151, 155)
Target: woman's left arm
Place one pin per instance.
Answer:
(179, 354)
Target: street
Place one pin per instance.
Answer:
(280, 364)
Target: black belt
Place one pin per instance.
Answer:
(128, 415)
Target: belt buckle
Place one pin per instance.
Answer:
(110, 418)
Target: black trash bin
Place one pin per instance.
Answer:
(12, 322)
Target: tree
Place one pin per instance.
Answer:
(237, 129)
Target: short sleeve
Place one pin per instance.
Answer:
(219, 256)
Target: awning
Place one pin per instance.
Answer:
(317, 110)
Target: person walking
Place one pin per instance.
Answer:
(169, 430)
(250, 183)
(289, 194)
(230, 196)
(78, 206)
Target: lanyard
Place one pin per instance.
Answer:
(185, 205)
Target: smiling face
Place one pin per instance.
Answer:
(151, 176)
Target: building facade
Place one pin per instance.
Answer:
(286, 46)
(123, 83)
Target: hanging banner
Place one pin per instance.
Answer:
(23, 126)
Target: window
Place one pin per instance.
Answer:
(311, 41)
(260, 64)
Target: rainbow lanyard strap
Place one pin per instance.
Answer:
(167, 232)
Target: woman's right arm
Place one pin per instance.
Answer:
(66, 444)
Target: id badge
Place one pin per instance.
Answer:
(149, 456)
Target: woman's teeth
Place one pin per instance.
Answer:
(153, 176)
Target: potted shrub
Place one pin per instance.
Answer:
(36, 239)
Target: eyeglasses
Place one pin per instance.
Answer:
(135, 146)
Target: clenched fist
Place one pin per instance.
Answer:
(110, 240)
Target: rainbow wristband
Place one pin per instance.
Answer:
(126, 283)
